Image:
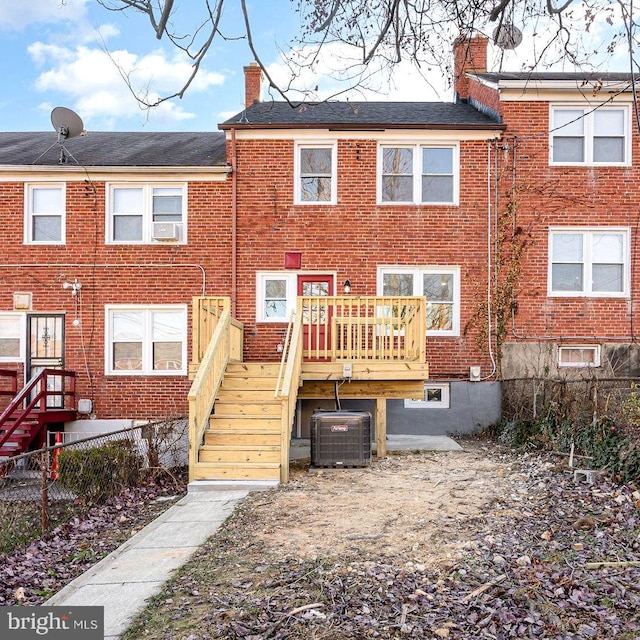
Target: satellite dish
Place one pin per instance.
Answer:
(507, 36)
(67, 123)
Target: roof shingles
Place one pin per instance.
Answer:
(115, 149)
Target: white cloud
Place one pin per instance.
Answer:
(17, 15)
(94, 82)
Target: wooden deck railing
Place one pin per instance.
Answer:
(206, 312)
(225, 342)
(363, 328)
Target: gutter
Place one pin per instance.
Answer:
(332, 126)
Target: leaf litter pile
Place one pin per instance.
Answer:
(31, 575)
(479, 543)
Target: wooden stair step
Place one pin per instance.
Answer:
(239, 454)
(252, 369)
(242, 438)
(249, 384)
(234, 471)
(245, 422)
(247, 396)
(223, 408)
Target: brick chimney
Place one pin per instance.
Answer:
(252, 84)
(469, 56)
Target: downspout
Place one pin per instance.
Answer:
(234, 223)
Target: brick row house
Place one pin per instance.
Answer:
(509, 212)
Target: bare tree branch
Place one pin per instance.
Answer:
(375, 36)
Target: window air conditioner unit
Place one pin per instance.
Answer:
(165, 231)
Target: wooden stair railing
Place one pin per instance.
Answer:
(288, 384)
(206, 383)
(27, 414)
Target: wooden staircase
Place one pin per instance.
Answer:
(243, 441)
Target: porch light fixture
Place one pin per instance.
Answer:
(347, 286)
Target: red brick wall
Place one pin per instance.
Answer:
(356, 235)
(116, 274)
(565, 196)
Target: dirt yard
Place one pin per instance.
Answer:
(482, 543)
(416, 504)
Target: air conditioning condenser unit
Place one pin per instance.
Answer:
(340, 439)
(165, 231)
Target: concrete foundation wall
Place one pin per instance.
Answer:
(473, 407)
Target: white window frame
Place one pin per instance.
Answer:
(21, 323)
(587, 262)
(291, 286)
(417, 173)
(299, 146)
(147, 212)
(417, 273)
(147, 341)
(595, 348)
(443, 403)
(589, 133)
(29, 214)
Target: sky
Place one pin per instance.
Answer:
(74, 53)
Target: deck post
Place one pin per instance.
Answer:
(381, 427)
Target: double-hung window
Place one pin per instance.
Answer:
(12, 337)
(45, 214)
(439, 285)
(418, 174)
(597, 136)
(146, 340)
(589, 262)
(315, 174)
(146, 213)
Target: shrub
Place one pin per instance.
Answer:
(97, 473)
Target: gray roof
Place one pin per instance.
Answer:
(116, 149)
(361, 116)
(579, 78)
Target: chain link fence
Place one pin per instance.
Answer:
(42, 489)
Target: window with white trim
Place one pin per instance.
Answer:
(436, 396)
(592, 136)
(143, 340)
(12, 337)
(315, 174)
(591, 262)
(579, 356)
(143, 214)
(418, 174)
(439, 285)
(44, 214)
(275, 296)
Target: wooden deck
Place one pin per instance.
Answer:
(241, 414)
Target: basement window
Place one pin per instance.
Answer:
(579, 356)
(436, 396)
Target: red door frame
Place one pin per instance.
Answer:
(324, 336)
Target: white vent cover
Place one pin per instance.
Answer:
(85, 405)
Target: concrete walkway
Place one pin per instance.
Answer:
(123, 581)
